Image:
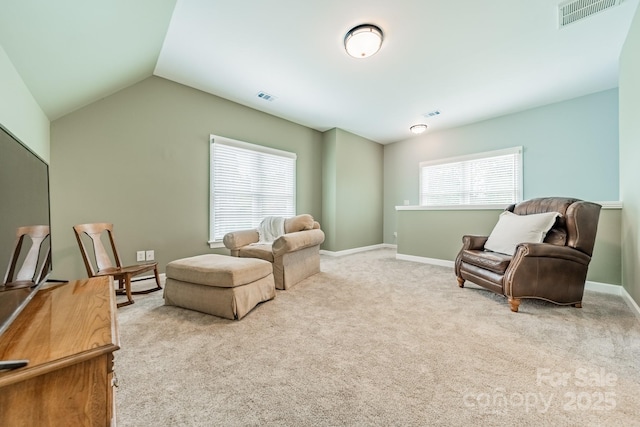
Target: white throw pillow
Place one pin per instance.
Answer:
(512, 229)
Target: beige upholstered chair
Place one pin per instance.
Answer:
(294, 255)
(555, 269)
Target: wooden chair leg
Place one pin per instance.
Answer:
(460, 282)
(127, 287)
(514, 303)
(155, 272)
(578, 305)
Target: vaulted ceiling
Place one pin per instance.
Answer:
(470, 60)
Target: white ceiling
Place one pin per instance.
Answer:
(471, 60)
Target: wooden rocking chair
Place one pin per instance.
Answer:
(103, 262)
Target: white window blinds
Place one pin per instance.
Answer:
(248, 183)
(480, 179)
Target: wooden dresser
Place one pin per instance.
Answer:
(68, 333)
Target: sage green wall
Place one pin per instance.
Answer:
(329, 188)
(20, 114)
(140, 159)
(437, 234)
(353, 188)
(570, 149)
(629, 156)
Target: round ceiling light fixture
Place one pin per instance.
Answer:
(417, 129)
(363, 41)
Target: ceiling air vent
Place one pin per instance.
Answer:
(266, 96)
(432, 113)
(576, 10)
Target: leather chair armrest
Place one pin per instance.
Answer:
(474, 242)
(547, 250)
(237, 239)
(468, 242)
(528, 274)
(291, 242)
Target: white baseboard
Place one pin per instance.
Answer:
(356, 250)
(630, 302)
(424, 260)
(604, 288)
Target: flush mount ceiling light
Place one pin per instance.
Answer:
(418, 128)
(363, 41)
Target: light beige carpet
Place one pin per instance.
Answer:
(373, 341)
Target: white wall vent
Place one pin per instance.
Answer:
(266, 96)
(575, 10)
(432, 113)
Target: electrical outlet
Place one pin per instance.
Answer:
(140, 256)
(150, 255)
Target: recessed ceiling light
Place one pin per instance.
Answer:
(419, 128)
(363, 41)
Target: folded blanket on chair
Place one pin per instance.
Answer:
(270, 229)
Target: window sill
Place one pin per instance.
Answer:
(452, 208)
(605, 205)
(216, 245)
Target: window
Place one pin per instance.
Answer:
(248, 182)
(490, 178)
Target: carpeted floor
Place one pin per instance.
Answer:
(374, 341)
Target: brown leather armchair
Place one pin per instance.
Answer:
(554, 270)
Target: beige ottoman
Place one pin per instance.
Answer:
(221, 285)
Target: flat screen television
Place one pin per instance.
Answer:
(24, 201)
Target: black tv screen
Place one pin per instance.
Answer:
(24, 201)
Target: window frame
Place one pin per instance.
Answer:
(518, 151)
(224, 141)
